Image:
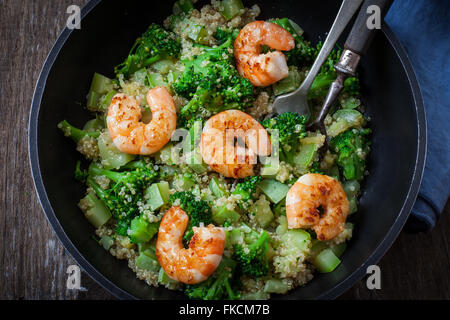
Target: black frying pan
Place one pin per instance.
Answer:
(108, 30)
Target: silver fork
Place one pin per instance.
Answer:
(297, 101)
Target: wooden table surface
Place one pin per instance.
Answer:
(33, 263)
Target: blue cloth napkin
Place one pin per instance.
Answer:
(423, 27)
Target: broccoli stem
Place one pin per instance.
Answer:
(114, 176)
(74, 133)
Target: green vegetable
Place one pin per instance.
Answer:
(106, 242)
(252, 258)
(74, 133)
(218, 286)
(230, 8)
(270, 171)
(156, 79)
(148, 249)
(298, 239)
(273, 189)
(212, 84)
(247, 188)
(352, 188)
(96, 124)
(197, 210)
(157, 195)
(186, 181)
(164, 279)
(289, 128)
(80, 174)
(303, 53)
(217, 188)
(224, 214)
(197, 33)
(304, 158)
(155, 44)
(112, 158)
(339, 249)
(352, 147)
(184, 6)
(124, 194)
(141, 230)
(276, 286)
(288, 84)
(326, 261)
(100, 86)
(195, 162)
(147, 263)
(345, 119)
(95, 210)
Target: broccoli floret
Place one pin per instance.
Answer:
(291, 128)
(79, 173)
(212, 84)
(247, 188)
(198, 210)
(222, 35)
(155, 44)
(352, 147)
(74, 133)
(218, 286)
(252, 258)
(125, 193)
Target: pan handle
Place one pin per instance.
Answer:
(361, 36)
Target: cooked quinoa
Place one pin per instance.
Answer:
(292, 256)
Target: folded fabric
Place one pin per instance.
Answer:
(423, 27)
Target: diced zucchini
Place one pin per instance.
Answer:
(274, 190)
(345, 119)
(164, 66)
(350, 103)
(326, 261)
(317, 247)
(186, 181)
(262, 211)
(305, 156)
(288, 84)
(141, 230)
(339, 249)
(112, 158)
(106, 242)
(157, 195)
(100, 86)
(184, 6)
(276, 286)
(165, 154)
(195, 162)
(217, 188)
(147, 263)
(164, 279)
(231, 8)
(269, 170)
(148, 249)
(197, 33)
(156, 79)
(298, 239)
(224, 214)
(352, 188)
(97, 213)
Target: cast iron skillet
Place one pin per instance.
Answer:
(108, 30)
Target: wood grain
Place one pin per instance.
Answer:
(33, 263)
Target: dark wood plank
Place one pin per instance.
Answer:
(33, 263)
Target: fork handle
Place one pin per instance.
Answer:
(361, 36)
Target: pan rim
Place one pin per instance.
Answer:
(120, 293)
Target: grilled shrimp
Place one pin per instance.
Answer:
(200, 260)
(305, 197)
(135, 137)
(218, 145)
(262, 69)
